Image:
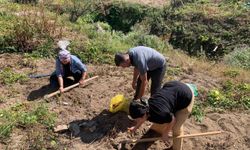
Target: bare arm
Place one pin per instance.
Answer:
(139, 122)
(135, 77)
(143, 85)
(84, 74)
(60, 81)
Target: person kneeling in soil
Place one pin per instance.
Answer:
(67, 65)
(167, 109)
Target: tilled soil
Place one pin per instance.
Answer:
(103, 130)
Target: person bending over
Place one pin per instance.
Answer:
(168, 109)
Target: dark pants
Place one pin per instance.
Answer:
(54, 79)
(156, 77)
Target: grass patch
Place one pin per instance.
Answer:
(231, 96)
(22, 115)
(8, 76)
(231, 73)
(2, 99)
(174, 71)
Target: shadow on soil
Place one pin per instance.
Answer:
(105, 124)
(47, 89)
(40, 93)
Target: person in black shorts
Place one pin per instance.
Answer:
(167, 109)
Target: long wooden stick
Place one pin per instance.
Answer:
(68, 88)
(182, 136)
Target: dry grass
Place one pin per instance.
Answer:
(155, 3)
(208, 68)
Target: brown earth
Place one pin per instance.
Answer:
(90, 105)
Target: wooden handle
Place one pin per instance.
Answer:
(182, 136)
(199, 134)
(68, 88)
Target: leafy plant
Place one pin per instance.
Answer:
(246, 101)
(8, 76)
(232, 95)
(20, 115)
(218, 100)
(197, 112)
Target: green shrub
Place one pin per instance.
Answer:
(101, 48)
(123, 15)
(33, 30)
(239, 58)
(195, 28)
(87, 18)
(80, 7)
(138, 38)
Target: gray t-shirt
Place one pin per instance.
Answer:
(146, 59)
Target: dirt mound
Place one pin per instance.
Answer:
(103, 130)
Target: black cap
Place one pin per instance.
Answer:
(119, 58)
(137, 110)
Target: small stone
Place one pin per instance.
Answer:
(65, 103)
(60, 128)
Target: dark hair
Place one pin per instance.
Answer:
(119, 58)
(137, 109)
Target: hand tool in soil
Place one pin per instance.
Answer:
(69, 87)
(39, 75)
(181, 136)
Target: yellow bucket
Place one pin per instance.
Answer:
(119, 103)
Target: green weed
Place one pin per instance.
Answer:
(8, 76)
(232, 95)
(197, 112)
(5, 130)
(231, 73)
(174, 71)
(246, 101)
(2, 99)
(21, 115)
(219, 100)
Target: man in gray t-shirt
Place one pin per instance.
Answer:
(148, 64)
